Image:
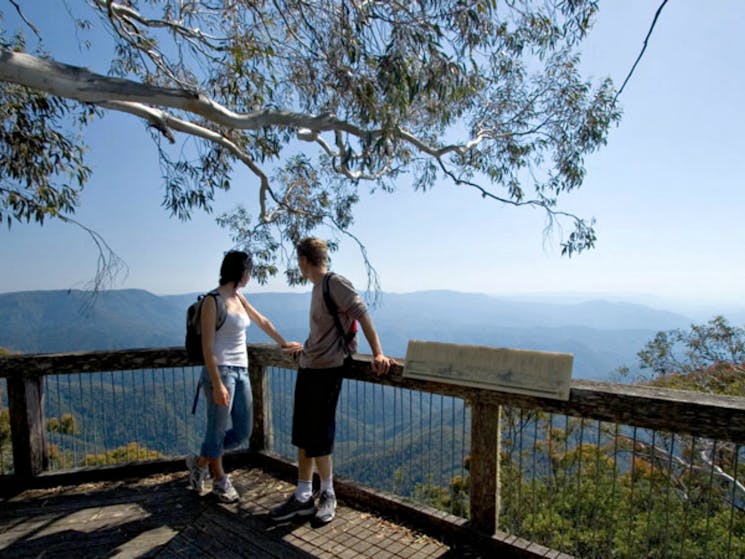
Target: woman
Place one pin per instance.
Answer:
(225, 380)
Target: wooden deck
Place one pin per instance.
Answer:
(158, 516)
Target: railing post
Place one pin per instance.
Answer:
(261, 434)
(485, 450)
(26, 408)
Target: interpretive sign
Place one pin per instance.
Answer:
(536, 373)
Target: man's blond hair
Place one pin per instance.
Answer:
(314, 249)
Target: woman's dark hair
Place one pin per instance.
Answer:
(233, 265)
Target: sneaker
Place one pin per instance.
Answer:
(197, 475)
(225, 491)
(326, 507)
(291, 508)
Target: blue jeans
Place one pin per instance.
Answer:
(239, 410)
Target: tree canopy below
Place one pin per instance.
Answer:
(708, 358)
(317, 100)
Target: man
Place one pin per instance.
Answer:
(321, 365)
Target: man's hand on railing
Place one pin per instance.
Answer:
(381, 364)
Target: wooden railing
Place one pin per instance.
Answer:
(700, 415)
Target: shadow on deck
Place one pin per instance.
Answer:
(157, 516)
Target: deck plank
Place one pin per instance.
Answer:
(159, 517)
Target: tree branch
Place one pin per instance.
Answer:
(165, 122)
(641, 53)
(25, 19)
(74, 82)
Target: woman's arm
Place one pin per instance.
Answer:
(264, 323)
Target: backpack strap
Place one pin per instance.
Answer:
(222, 309)
(334, 312)
(196, 397)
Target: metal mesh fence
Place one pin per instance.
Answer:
(598, 489)
(410, 443)
(6, 448)
(122, 416)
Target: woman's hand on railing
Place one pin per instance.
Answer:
(293, 348)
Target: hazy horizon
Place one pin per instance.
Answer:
(699, 312)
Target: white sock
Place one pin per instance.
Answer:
(304, 490)
(327, 485)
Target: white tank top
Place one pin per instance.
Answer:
(230, 340)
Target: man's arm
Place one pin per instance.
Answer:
(380, 363)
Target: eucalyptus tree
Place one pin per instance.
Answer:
(702, 358)
(317, 100)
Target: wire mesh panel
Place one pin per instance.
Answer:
(281, 390)
(121, 416)
(6, 443)
(411, 443)
(596, 489)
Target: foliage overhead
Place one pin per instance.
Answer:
(317, 100)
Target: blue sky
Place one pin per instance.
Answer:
(666, 192)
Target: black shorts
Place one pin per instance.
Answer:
(314, 411)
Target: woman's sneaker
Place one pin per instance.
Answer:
(326, 507)
(225, 491)
(197, 475)
(291, 508)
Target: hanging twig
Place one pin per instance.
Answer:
(644, 48)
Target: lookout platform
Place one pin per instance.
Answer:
(157, 516)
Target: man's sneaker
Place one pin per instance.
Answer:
(197, 475)
(326, 507)
(225, 491)
(291, 508)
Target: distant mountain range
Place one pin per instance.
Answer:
(602, 335)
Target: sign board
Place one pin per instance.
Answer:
(536, 373)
